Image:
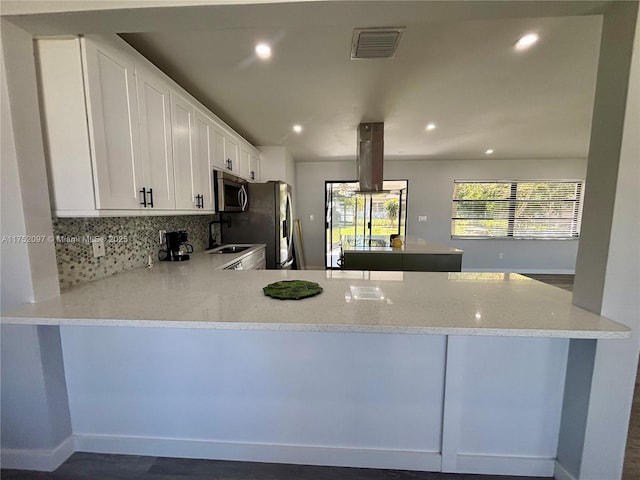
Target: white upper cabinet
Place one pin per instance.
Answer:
(193, 136)
(276, 163)
(204, 153)
(244, 162)
(249, 162)
(114, 131)
(185, 167)
(219, 159)
(254, 166)
(64, 119)
(155, 137)
(122, 138)
(232, 154)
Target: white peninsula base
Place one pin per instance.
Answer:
(452, 372)
(418, 402)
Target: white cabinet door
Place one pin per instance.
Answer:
(185, 166)
(231, 153)
(155, 137)
(65, 131)
(114, 129)
(219, 160)
(254, 167)
(205, 147)
(244, 162)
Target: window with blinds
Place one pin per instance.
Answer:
(516, 209)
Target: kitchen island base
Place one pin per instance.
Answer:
(416, 402)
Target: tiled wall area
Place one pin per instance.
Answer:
(128, 243)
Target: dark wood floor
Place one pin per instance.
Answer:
(562, 281)
(632, 454)
(94, 466)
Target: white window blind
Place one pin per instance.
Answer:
(516, 209)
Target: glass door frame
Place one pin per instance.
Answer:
(330, 264)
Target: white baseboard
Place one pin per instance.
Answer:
(42, 460)
(49, 460)
(505, 465)
(261, 452)
(562, 474)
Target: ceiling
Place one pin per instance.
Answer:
(455, 66)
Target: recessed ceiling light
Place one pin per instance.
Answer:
(489, 152)
(297, 128)
(430, 126)
(263, 51)
(526, 41)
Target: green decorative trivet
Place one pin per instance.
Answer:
(292, 289)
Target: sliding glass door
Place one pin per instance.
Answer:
(357, 219)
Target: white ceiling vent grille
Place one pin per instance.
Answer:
(375, 42)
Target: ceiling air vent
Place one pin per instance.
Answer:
(375, 42)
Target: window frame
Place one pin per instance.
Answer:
(511, 218)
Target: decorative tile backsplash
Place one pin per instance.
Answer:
(128, 243)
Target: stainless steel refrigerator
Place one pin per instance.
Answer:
(268, 220)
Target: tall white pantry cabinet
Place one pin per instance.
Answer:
(121, 137)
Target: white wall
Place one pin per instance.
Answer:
(608, 264)
(36, 428)
(430, 194)
(26, 152)
(15, 278)
(276, 163)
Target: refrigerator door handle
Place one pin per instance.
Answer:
(289, 224)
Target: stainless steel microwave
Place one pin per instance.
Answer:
(230, 193)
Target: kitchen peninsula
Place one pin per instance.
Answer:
(426, 371)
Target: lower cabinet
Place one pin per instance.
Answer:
(372, 261)
(403, 262)
(431, 263)
(254, 261)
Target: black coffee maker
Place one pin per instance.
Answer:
(178, 249)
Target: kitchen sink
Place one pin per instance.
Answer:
(231, 249)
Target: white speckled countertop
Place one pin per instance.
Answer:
(193, 294)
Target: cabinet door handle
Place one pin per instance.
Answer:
(229, 164)
(199, 201)
(150, 197)
(253, 175)
(143, 192)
